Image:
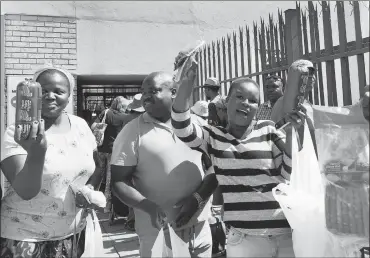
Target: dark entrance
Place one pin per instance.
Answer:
(95, 92)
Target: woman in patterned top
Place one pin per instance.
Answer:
(39, 213)
(250, 158)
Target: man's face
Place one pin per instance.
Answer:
(209, 92)
(157, 98)
(242, 104)
(273, 89)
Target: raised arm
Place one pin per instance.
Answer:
(192, 134)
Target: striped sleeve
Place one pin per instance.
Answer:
(192, 134)
(282, 161)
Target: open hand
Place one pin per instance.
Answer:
(35, 141)
(189, 207)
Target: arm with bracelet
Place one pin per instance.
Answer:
(200, 197)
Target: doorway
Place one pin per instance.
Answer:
(96, 92)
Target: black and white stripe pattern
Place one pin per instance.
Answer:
(247, 170)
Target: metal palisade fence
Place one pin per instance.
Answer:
(270, 47)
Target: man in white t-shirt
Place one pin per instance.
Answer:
(161, 178)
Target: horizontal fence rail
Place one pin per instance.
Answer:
(270, 47)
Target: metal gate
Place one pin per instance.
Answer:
(96, 92)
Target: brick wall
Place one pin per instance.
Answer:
(31, 41)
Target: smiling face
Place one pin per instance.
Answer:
(158, 93)
(55, 93)
(242, 102)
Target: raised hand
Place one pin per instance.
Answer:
(36, 140)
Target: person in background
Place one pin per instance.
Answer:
(39, 214)
(250, 158)
(161, 178)
(115, 118)
(212, 89)
(273, 88)
(218, 112)
(134, 109)
(200, 112)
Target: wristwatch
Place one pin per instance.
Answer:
(201, 202)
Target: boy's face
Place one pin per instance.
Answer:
(242, 104)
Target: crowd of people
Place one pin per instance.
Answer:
(186, 175)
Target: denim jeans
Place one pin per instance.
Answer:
(244, 245)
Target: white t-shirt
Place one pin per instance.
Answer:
(50, 215)
(167, 171)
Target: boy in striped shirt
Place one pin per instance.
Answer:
(250, 158)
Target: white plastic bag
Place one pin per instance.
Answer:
(183, 66)
(93, 237)
(169, 245)
(302, 200)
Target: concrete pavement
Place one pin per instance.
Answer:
(117, 241)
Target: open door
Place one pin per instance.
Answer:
(95, 92)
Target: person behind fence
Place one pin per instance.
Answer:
(250, 158)
(273, 87)
(39, 214)
(115, 117)
(212, 89)
(161, 178)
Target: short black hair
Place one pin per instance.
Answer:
(241, 80)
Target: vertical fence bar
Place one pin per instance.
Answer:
(224, 63)
(344, 64)
(205, 69)
(195, 92)
(269, 50)
(272, 43)
(299, 27)
(330, 67)
(313, 49)
(218, 60)
(201, 74)
(360, 57)
(235, 55)
(305, 41)
(318, 54)
(276, 42)
(263, 51)
(256, 51)
(214, 60)
(249, 51)
(241, 50)
(209, 60)
(284, 59)
(230, 57)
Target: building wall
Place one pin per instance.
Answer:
(33, 41)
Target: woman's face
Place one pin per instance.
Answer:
(55, 93)
(242, 104)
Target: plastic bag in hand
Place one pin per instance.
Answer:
(302, 201)
(182, 65)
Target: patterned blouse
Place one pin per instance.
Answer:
(51, 214)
